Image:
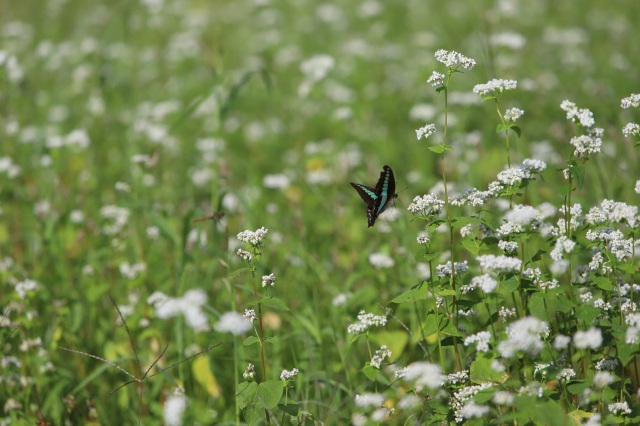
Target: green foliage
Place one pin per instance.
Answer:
(122, 122)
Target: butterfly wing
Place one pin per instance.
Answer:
(386, 190)
(380, 197)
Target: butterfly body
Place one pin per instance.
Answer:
(380, 197)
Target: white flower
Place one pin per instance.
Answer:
(365, 321)
(234, 323)
(268, 280)
(436, 80)
(425, 131)
(279, 181)
(369, 400)
(631, 101)
(424, 374)
(499, 263)
(591, 338)
(454, 59)
(513, 114)
(253, 238)
(471, 409)
(22, 287)
(381, 260)
(173, 409)
(524, 335)
(426, 205)
(631, 129)
(602, 379)
(502, 398)
(481, 340)
(494, 87)
(379, 356)
(485, 282)
(288, 375)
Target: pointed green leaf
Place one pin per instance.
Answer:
(270, 392)
(439, 149)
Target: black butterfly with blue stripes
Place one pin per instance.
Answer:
(380, 197)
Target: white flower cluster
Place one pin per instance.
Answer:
(436, 79)
(494, 87)
(508, 247)
(463, 398)
(563, 245)
(444, 270)
(423, 374)
(288, 375)
(365, 321)
(480, 339)
(458, 377)
(614, 241)
(631, 129)
(380, 355)
(425, 131)
(426, 205)
(585, 145)
(253, 238)
(524, 335)
(117, 217)
(381, 260)
(565, 375)
(268, 280)
(499, 263)
(512, 114)
(577, 115)
(454, 59)
(470, 197)
(591, 338)
(515, 175)
(631, 101)
(613, 211)
(189, 305)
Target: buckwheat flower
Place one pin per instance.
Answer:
(585, 145)
(249, 315)
(131, 271)
(637, 188)
(153, 232)
(279, 181)
(381, 260)
(234, 323)
(317, 67)
(268, 280)
(576, 115)
(631, 101)
(466, 230)
(602, 379)
(174, 409)
(366, 321)
(426, 205)
(563, 245)
(512, 114)
(457, 378)
(497, 366)
(591, 338)
(499, 263)
(471, 410)
(341, 299)
(444, 270)
(379, 356)
(288, 375)
(512, 176)
(117, 218)
(485, 282)
(503, 398)
(122, 187)
(619, 408)
(480, 339)
(463, 397)
(494, 87)
(607, 364)
(631, 129)
(250, 372)
(76, 216)
(8, 167)
(548, 285)
(593, 420)
(454, 59)
(422, 239)
(506, 313)
(25, 286)
(369, 400)
(253, 238)
(436, 80)
(409, 402)
(244, 255)
(508, 247)
(522, 215)
(566, 375)
(524, 335)
(425, 131)
(424, 374)
(586, 297)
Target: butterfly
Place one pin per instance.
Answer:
(380, 197)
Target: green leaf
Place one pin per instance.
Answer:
(270, 392)
(418, 292)
(481, 371)
(510, 284)
(251, 340)
(370, 371)
(501, 127)
(272, 302)
(427, 257)
(291, 408)
(471, 246)
(578, 174)
(439, 149)
(587, 313)
(246, 394)
(445, 292)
